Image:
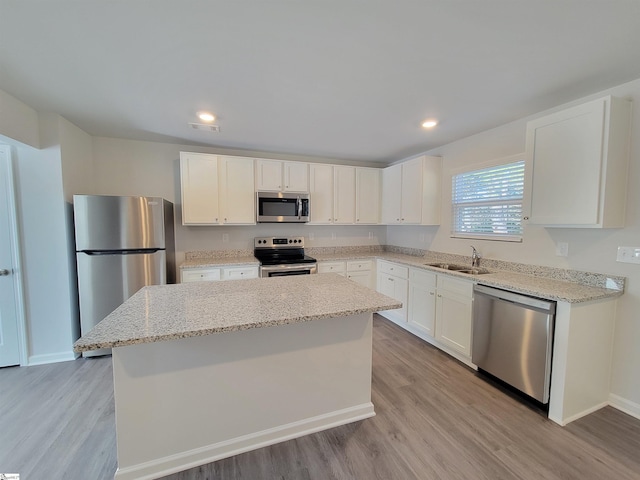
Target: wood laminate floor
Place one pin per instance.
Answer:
(436, 419)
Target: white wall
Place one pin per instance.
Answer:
(47, 256)
(589, 250)
(18, 121)
(128, 167)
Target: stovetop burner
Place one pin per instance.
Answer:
(281, 251)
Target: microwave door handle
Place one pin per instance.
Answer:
(299, 203)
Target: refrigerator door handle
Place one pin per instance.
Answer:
(121, 252)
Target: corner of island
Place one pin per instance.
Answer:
(207, 370)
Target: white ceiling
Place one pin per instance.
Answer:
(344, 79)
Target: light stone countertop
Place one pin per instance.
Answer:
(558, 289)
(169, 312)
(220, 262)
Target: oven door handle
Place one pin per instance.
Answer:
(299, 205)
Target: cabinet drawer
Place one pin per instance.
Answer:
(462, 287)
(393, 269)
(200, 275)
(359, 265)
(422, 277)
(331, 267)
(237, 273)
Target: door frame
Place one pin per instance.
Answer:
(6, 163)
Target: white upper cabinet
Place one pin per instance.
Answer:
(367, 195)
(296, 177)
(391, 195)
(320, 194)
(199, 182)
(217, 190)
(280, 176)
(344, 195)
(577, 162)
(237, 196)
(411, 192)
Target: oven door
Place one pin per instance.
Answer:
(284, 270)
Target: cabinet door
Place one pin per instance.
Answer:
(296, 177)
(397, 288)
(344, 184)
(422, 301)
(199, 183)
(567, 155)
(236, 189)
(367, 195)
(362, 277)
(454, 320)
(321, 193)
(391, 194)
(268, 175)
(411, 198)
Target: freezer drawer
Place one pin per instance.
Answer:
(512, 339)
(105, 281)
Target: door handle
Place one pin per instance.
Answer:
(4, 272)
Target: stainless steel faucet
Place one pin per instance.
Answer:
(475, 257)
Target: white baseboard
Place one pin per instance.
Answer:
(51, 358)
(624, 405)
(211, 453)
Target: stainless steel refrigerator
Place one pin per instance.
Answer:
(122, 244)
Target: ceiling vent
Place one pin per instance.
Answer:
(204, 126)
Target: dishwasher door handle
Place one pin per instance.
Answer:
(547, 306)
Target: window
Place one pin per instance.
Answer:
(487, 203)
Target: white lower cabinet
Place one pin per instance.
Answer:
(198, 274)
(332, 267)
(454, 310)
(437, 308)
(393, 281)
(360, 271)
(422, 300)
(239, 273)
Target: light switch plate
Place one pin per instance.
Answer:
(628, 255)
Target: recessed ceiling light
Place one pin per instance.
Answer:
(206, 116)
(429, 123)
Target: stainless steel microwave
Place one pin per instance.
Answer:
(279, 207)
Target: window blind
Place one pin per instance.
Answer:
(488, 202)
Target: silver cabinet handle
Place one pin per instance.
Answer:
(4, 272)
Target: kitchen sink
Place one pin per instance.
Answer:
(459, 268)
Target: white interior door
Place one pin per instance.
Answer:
(9, 340)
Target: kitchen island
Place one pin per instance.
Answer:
(204, 371)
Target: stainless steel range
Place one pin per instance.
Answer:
(280, 256)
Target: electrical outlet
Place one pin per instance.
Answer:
(333, 236)
(562, 249)
(225, 238)
(370, 235)
(311, 236)
(421, 237)
(628, 255)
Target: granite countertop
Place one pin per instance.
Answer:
(220, 261)
(528, 282)
(169, 312)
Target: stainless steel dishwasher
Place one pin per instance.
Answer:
(513, 338)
